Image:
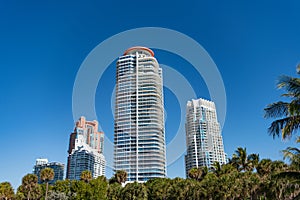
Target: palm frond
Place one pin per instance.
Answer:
(291, 126)
(294, 107)
(277, 126)
(290, 84)
(293, 175)
(288, 155)
(293, 150)
(292, 154)
(253, 157)
(289, 94)
(298, 68)
(277, 109)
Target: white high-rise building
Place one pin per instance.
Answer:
(203, 135)
(86, 159)
(139, 138)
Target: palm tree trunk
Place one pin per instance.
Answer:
(46, 195)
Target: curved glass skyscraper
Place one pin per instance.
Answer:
(139, 139)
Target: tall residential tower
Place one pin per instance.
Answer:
(203, 135)
(139, 138)
(86, 150)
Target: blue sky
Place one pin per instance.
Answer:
(42, 45)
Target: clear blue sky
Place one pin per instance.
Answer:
(42, 45)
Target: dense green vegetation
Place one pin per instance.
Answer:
(242, 178)
(245, 176)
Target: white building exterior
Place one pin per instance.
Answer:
(139, 138)
(203, 135)
(41, 161)
(85, 158)
(86, 150)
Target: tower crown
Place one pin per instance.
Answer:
(138, 48)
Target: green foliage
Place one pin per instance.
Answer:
(6, 191)
(86, 176)
(98, 188)
(287, 114)
(198, 173)
(62, 186)
(159, 188)
(245, 177)
(79, 190)
(47, 174)
(271, 180)
(134, 191)
(293, 155)
(181, 189)
(114, 191)
(57, 196)
(121, 176)
(112, 180)
(30, 189)
(244, 162)
(178, 188)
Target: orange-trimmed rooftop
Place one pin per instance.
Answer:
(139, 48)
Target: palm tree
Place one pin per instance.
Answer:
(278, 166)
(98, 188)
(264, 167)
(198, 173)
(287, 112)
(196, 190)
(112, 180)
(86, 176)
(180, 188)
(253, 160)
(62, 186)
(47, 174)
(289, 177)
(6, 191)
(30, 188)
(242, 161)
(114, 191)
(228, 168)
(239, 159)
(159, 188)
(217, 168)
(293, 154)
(121, 176)
(210, 186)
(134, 191)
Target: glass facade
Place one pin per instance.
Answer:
(203, 135)
(139, 138)
(81, 160)
(58, 169)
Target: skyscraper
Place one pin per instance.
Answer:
(86, 150)
(43, 163)
(203, 135)
(139, 139)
